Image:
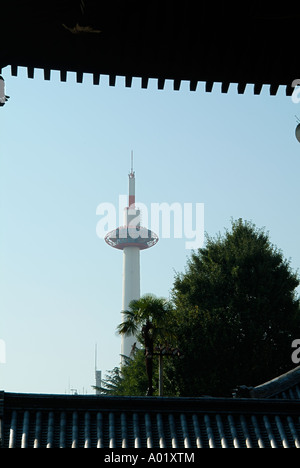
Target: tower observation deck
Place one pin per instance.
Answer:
(131, 238)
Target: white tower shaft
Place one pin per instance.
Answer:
(131, 240)
(131, 289)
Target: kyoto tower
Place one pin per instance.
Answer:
(131, 238)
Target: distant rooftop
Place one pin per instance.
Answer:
(286, 387)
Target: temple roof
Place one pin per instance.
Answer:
(53, 421)
(195, 41)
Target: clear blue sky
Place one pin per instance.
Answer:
(65, 148)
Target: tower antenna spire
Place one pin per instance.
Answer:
(95, 357)
(131, 161)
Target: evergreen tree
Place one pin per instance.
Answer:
(130, 379)
(236, 313)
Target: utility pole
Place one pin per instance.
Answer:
(161, 351)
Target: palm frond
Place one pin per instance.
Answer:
(150, 310)
(129, 326)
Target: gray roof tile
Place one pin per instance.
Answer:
(53, 421)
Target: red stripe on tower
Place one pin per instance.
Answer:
(131, 201)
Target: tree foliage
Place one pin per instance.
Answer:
(236, 313)
(130, 379)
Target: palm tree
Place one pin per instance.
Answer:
(148, 318)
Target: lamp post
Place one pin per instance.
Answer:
(297, 131)
(161, 351)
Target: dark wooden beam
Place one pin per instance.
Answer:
(209, 86)
(79, 77)
(241, 88)
(225, 87)
(145, 82)
(112, 80)
(63, 75)
(193, 85)
(128, 81)
(47, 74)
(96, 78)
(160, 83)
(257, 88)
(176, 84)
(30, 72)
